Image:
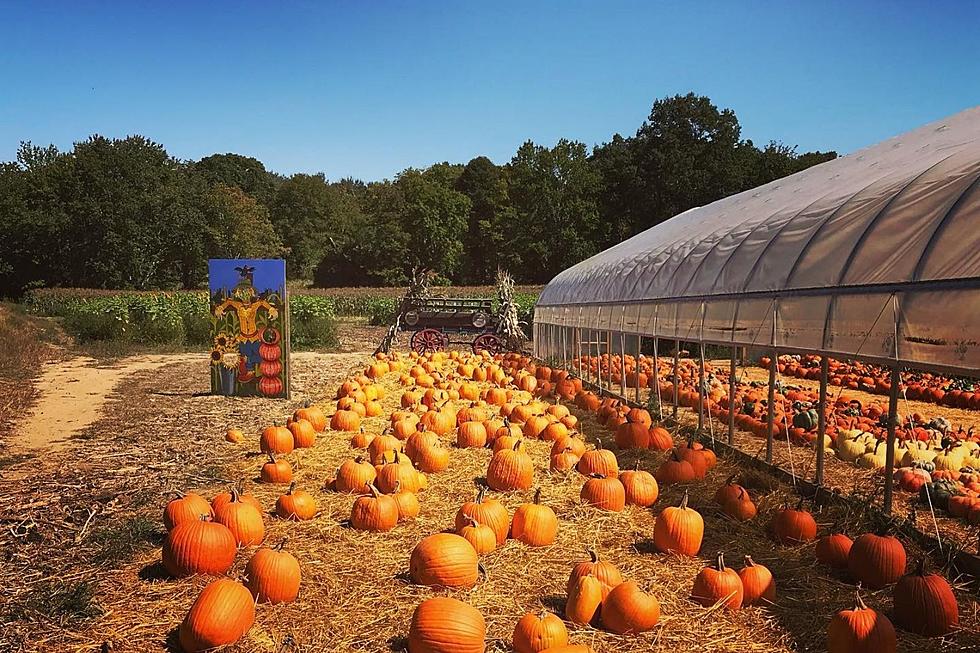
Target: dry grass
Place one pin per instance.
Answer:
(76, 580)
(28, 342)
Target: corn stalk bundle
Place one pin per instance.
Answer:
(418, 289)
(509, 327)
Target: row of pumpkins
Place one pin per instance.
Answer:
(930, 457)
(389, 482)
(857, 375)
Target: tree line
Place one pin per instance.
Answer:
(123, 213)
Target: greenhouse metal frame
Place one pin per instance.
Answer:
(873, 256)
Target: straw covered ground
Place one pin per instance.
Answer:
(81, 540)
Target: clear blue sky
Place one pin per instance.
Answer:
(369, 88)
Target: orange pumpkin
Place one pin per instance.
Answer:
(444, 560)
(679, 529)
(222, 613)
(273, 575)
(443, 624)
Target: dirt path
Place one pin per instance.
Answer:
(72, 393)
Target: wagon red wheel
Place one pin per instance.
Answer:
(492, 343)
(428, 340)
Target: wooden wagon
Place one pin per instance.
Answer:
(434, 319)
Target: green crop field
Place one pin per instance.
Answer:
(182, 317)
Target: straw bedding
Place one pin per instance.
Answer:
(355, 595)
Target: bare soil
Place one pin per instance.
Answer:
(70, 395)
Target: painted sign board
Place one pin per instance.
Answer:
(249, 327)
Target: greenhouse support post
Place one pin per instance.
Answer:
(771, 418)
(677, 356)
(656, 374)
(701, 388)
(890, 443)
(822, 418)
(731, 399)
(773, 367)
(701, 372)
(639, 352)
(609, 361)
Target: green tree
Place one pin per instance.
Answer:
(351, 256)
(122, 198)
(485, 184)
(685, 155)
(302, 215)
(554, 193)
(238, 226)
(433, 217)
(244, 172)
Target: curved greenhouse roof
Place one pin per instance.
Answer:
(840, 258)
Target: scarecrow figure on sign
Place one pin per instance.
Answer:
(247, 304)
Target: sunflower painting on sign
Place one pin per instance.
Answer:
(249, 327)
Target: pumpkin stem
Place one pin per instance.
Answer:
(480, 493)
(859, 603)
(292, 486)
(597, 475)
(272, 458)
(374, 491)
(749, 562)
(799, 504)
(683, 504)
(593, 554)
(517, 444)
(920, 569)
(281, 545)
(537, 496)
(720, 561)
(398, 486)
(636, 467)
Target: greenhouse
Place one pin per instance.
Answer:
(874, 256)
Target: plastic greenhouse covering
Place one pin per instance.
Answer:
(873, 255)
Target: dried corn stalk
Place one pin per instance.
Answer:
(509, 327)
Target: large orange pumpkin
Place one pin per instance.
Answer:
(242, 519)
(486, 511)
(628, 609)
(860, 630)
(199, 547)
(444, 560)
(537, 632)
(186, 507)
(273, 575)
(221, 615)
(679, 529)
(446, 625)
(534, 524)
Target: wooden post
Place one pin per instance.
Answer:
(731, 399)
(609, 358)
(773, 365)
(890, 443)
(639, 352)
(770, 420)
(677, 356)
(656, 375)
(701, 388)
(821, 418)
